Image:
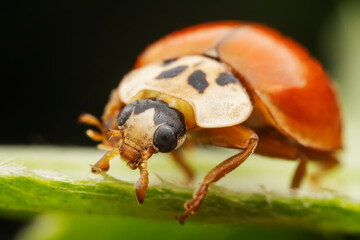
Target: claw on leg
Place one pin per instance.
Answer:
(192, 206)
(97, 170)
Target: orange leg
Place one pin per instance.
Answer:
(102, 135)
(142, 184)
(273, 144)
(232, 137)
(109, 139)
(326, 161)
(103, 163)
(179, 159)
(300, 172)
(92, 120)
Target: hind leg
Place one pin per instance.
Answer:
(326, 161)
(273, 144)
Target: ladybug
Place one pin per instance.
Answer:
(229, 84)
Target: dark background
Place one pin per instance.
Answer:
(62, 58)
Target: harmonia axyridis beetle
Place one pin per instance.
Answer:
(229, 84)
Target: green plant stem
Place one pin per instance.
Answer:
(24, 190)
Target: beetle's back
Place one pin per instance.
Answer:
(298, 96)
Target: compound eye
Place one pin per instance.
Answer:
(124, 115)
(165, 139)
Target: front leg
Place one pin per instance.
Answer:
(103, 163)
(142, 184)
(108, 140)
(238, 137)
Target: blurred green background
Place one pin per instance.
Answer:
(63, 58)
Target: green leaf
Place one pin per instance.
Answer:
(256, 193)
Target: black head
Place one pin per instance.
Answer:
(150, 121)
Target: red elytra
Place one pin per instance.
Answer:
(288, 86)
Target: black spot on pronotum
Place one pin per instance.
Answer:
(198, 80)
(225, 78)
(173, 72)
(169, 61)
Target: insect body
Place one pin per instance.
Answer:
(228, 84)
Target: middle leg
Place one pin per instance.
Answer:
(238, 137)
(178, 157)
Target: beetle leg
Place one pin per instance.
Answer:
(326, 161)
(234, 137)
(273, 144)
(109, 118)
(177, 155)
(98, 136)
(142, 184)
(300, 172)
(91, 120)
(103, 163)
(326, 166)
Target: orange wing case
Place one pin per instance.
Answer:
(299, 98)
